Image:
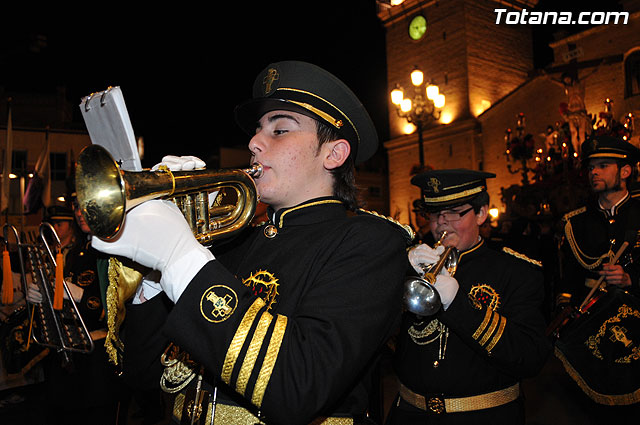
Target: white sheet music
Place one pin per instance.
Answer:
(109, 126)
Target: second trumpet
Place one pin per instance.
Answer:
(420, 295)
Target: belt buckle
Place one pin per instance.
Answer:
(435, 404)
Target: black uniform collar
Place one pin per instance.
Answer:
(473, 251)
(614, 210)
(308, 212)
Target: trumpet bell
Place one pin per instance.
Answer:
(420, 297)
(105, 193)
(100, 190)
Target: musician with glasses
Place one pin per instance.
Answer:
(464, 364)
(282, 324)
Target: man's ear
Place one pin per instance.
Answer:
(481, 215)
(625, 171)
(336, 153)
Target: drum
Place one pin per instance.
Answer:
(600, 349)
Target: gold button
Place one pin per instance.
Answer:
(270, 231)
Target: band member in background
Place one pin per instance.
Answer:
(85, 390)
(598, 303)
(595, 232)
(463, 365)
(283, 323)
(423, 228)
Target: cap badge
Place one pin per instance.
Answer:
(269, 79)
(434, 184)
(218, 303)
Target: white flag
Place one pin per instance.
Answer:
(6, 170)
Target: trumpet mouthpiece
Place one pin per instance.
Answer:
(255, 171)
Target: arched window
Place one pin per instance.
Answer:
(632, 74)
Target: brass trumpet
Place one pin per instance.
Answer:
(105, 193)
(420, 295)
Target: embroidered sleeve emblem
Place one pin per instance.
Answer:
(490, 331)
(485, 295)
(218, 303)
(263, 284)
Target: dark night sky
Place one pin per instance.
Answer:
(182, 71)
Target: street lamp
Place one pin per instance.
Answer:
(421, 109)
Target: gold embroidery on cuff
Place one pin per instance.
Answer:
(238, 340)
(498, 335)
(269, 360)
(484, 324)
(491, 330)
(252, 353)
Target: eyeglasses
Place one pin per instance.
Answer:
(449, 216)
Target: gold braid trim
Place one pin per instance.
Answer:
(410, 233)
(487, 317)
(269, 360)
(606, 399)
(492, 328)
(238, 340)
(179, 369)
(123, 282)
(252, 352)
(498, 335)
(521, 256)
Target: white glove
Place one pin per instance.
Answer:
(156, 235)
(180, 163)
(447, 287)
(33, 294)
(423, 255)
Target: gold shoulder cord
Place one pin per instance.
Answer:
(404, 227)
(580, 256)
(179, 369)
(521, 256)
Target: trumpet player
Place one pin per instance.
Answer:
(284, 322)
(463, 364)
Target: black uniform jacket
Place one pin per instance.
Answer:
(291, 313)
(80, 267)
(495, 329)
(592, 236)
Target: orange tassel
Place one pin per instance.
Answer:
(7, 281)
(58, 292)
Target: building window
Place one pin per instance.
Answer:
(58, 166)
(632, 74)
